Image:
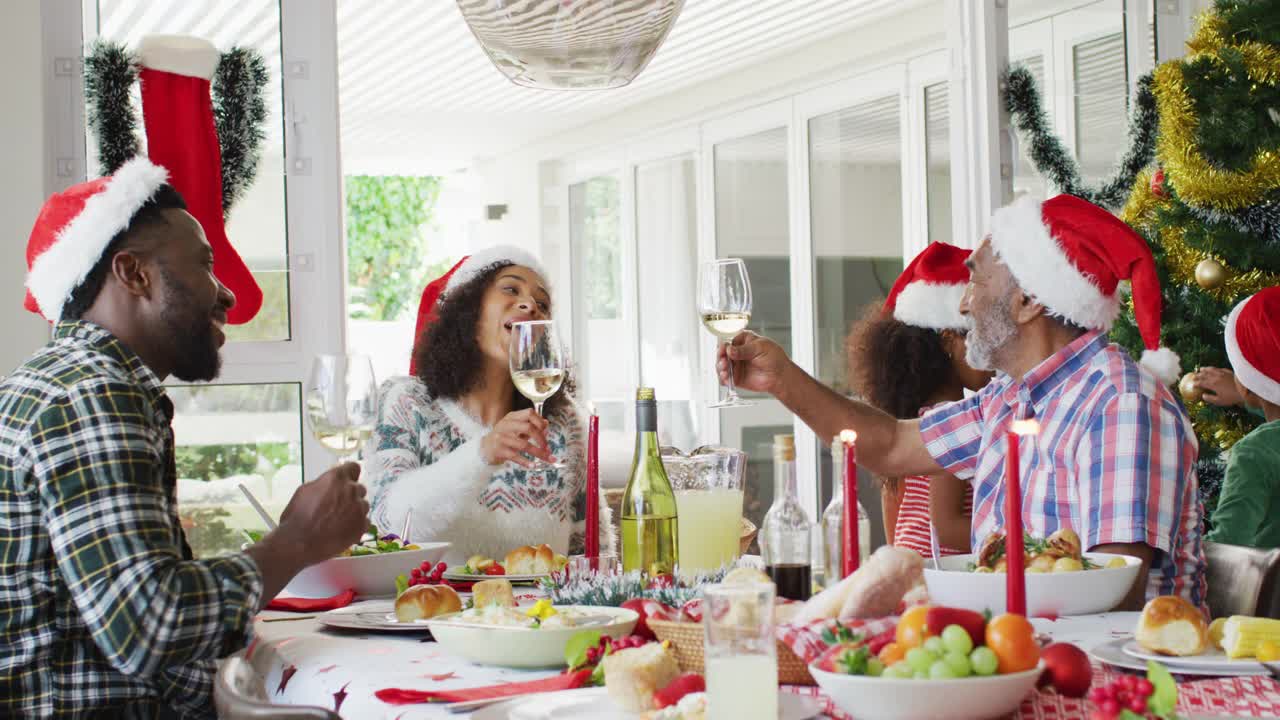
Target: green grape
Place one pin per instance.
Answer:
(900, 670)
(941, 671)
(935, 646)
(875, 668)
(984, 661)
(959, 663)
(957, 640)
(921, 659)
(921, 675)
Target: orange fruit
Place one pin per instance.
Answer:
(892, 653)
(1013, 639)
(912, 628)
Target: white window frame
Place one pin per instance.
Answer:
(313, 200)
(922, 72)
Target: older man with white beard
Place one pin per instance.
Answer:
(1115, 456)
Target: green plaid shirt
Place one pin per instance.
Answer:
(103, 611)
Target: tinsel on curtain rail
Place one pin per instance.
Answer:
(239, 110)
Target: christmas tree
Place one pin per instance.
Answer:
(1201, 182)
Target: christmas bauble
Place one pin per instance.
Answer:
(1191, 392)
(1210, 274)
(1157, 183)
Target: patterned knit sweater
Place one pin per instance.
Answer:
(425, 458)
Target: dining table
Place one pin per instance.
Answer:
(303, 662)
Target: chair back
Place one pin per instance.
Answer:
(1243, 580)
(239, 694)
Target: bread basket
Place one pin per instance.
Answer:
(686, 643)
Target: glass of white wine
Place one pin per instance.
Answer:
(724, 304)
(537, 364)
(342, 403)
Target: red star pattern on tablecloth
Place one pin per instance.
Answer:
(285, 677)
(339, 697)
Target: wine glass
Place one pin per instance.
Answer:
(537, 364)
(724, 303)
(342, 403)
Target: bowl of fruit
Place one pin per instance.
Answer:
(1060, 578)
(942, 662)
(367, 567)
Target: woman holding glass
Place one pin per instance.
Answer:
(470, 452)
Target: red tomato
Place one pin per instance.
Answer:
(495, 569)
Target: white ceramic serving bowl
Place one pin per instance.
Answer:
(370, 576)
(520, 647)
(971, 698)
(1048, 594)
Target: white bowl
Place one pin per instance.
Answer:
(368, 575)
(1048, 594)
(971, 698)
(522, 647)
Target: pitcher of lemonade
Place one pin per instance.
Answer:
(708, 488)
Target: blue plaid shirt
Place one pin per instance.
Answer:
(103, 611)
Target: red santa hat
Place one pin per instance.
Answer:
(466, 270)
(1253, 343)
(1071, 255)
(74, 228)
(928, 292)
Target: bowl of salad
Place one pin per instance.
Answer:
(1061, 579)
(368, 567)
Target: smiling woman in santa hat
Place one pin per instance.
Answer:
(1248, 510)
(907, 355)
(455, 443)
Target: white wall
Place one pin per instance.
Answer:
(23, 166)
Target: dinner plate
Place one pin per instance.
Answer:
(1211, 659)
(377, 617)
(465, 577)
(1112, 653)
(596, 704)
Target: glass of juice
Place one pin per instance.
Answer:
(741, 653)
(708, 490)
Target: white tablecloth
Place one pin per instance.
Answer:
(306, 664)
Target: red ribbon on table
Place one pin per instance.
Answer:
(592, 540)
(402, 696)
(297, 604)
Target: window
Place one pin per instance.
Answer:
(937, 150)
(602, 352)
(1025, 177)
(256, 226)
(752, 223)
(855, 187)
(1100, 104)
(667, 262)
(228, 435)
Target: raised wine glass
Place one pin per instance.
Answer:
(724, 304)
(342, 403)
(537, 365)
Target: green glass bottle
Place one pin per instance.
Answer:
(649, 522)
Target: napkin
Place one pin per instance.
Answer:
(297, 604)
(567, 681)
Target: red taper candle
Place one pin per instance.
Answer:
(592, 539)
(1015, 600)
(850, 553)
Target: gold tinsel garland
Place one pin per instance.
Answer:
(1195, 178)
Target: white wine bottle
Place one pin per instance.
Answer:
(649, 520)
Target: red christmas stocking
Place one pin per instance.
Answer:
(182, 138)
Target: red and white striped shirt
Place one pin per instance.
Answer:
(913, 530)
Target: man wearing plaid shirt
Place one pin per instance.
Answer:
(103, 610)
(1115, 455)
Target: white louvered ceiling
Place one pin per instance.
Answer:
(418, 95)
(417, 89)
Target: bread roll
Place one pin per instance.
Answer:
(426, 601)
(633, 675)
(530, 560)
(1170, 625)
(493, 592)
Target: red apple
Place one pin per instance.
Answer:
(938, 618)
(1067, 669)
